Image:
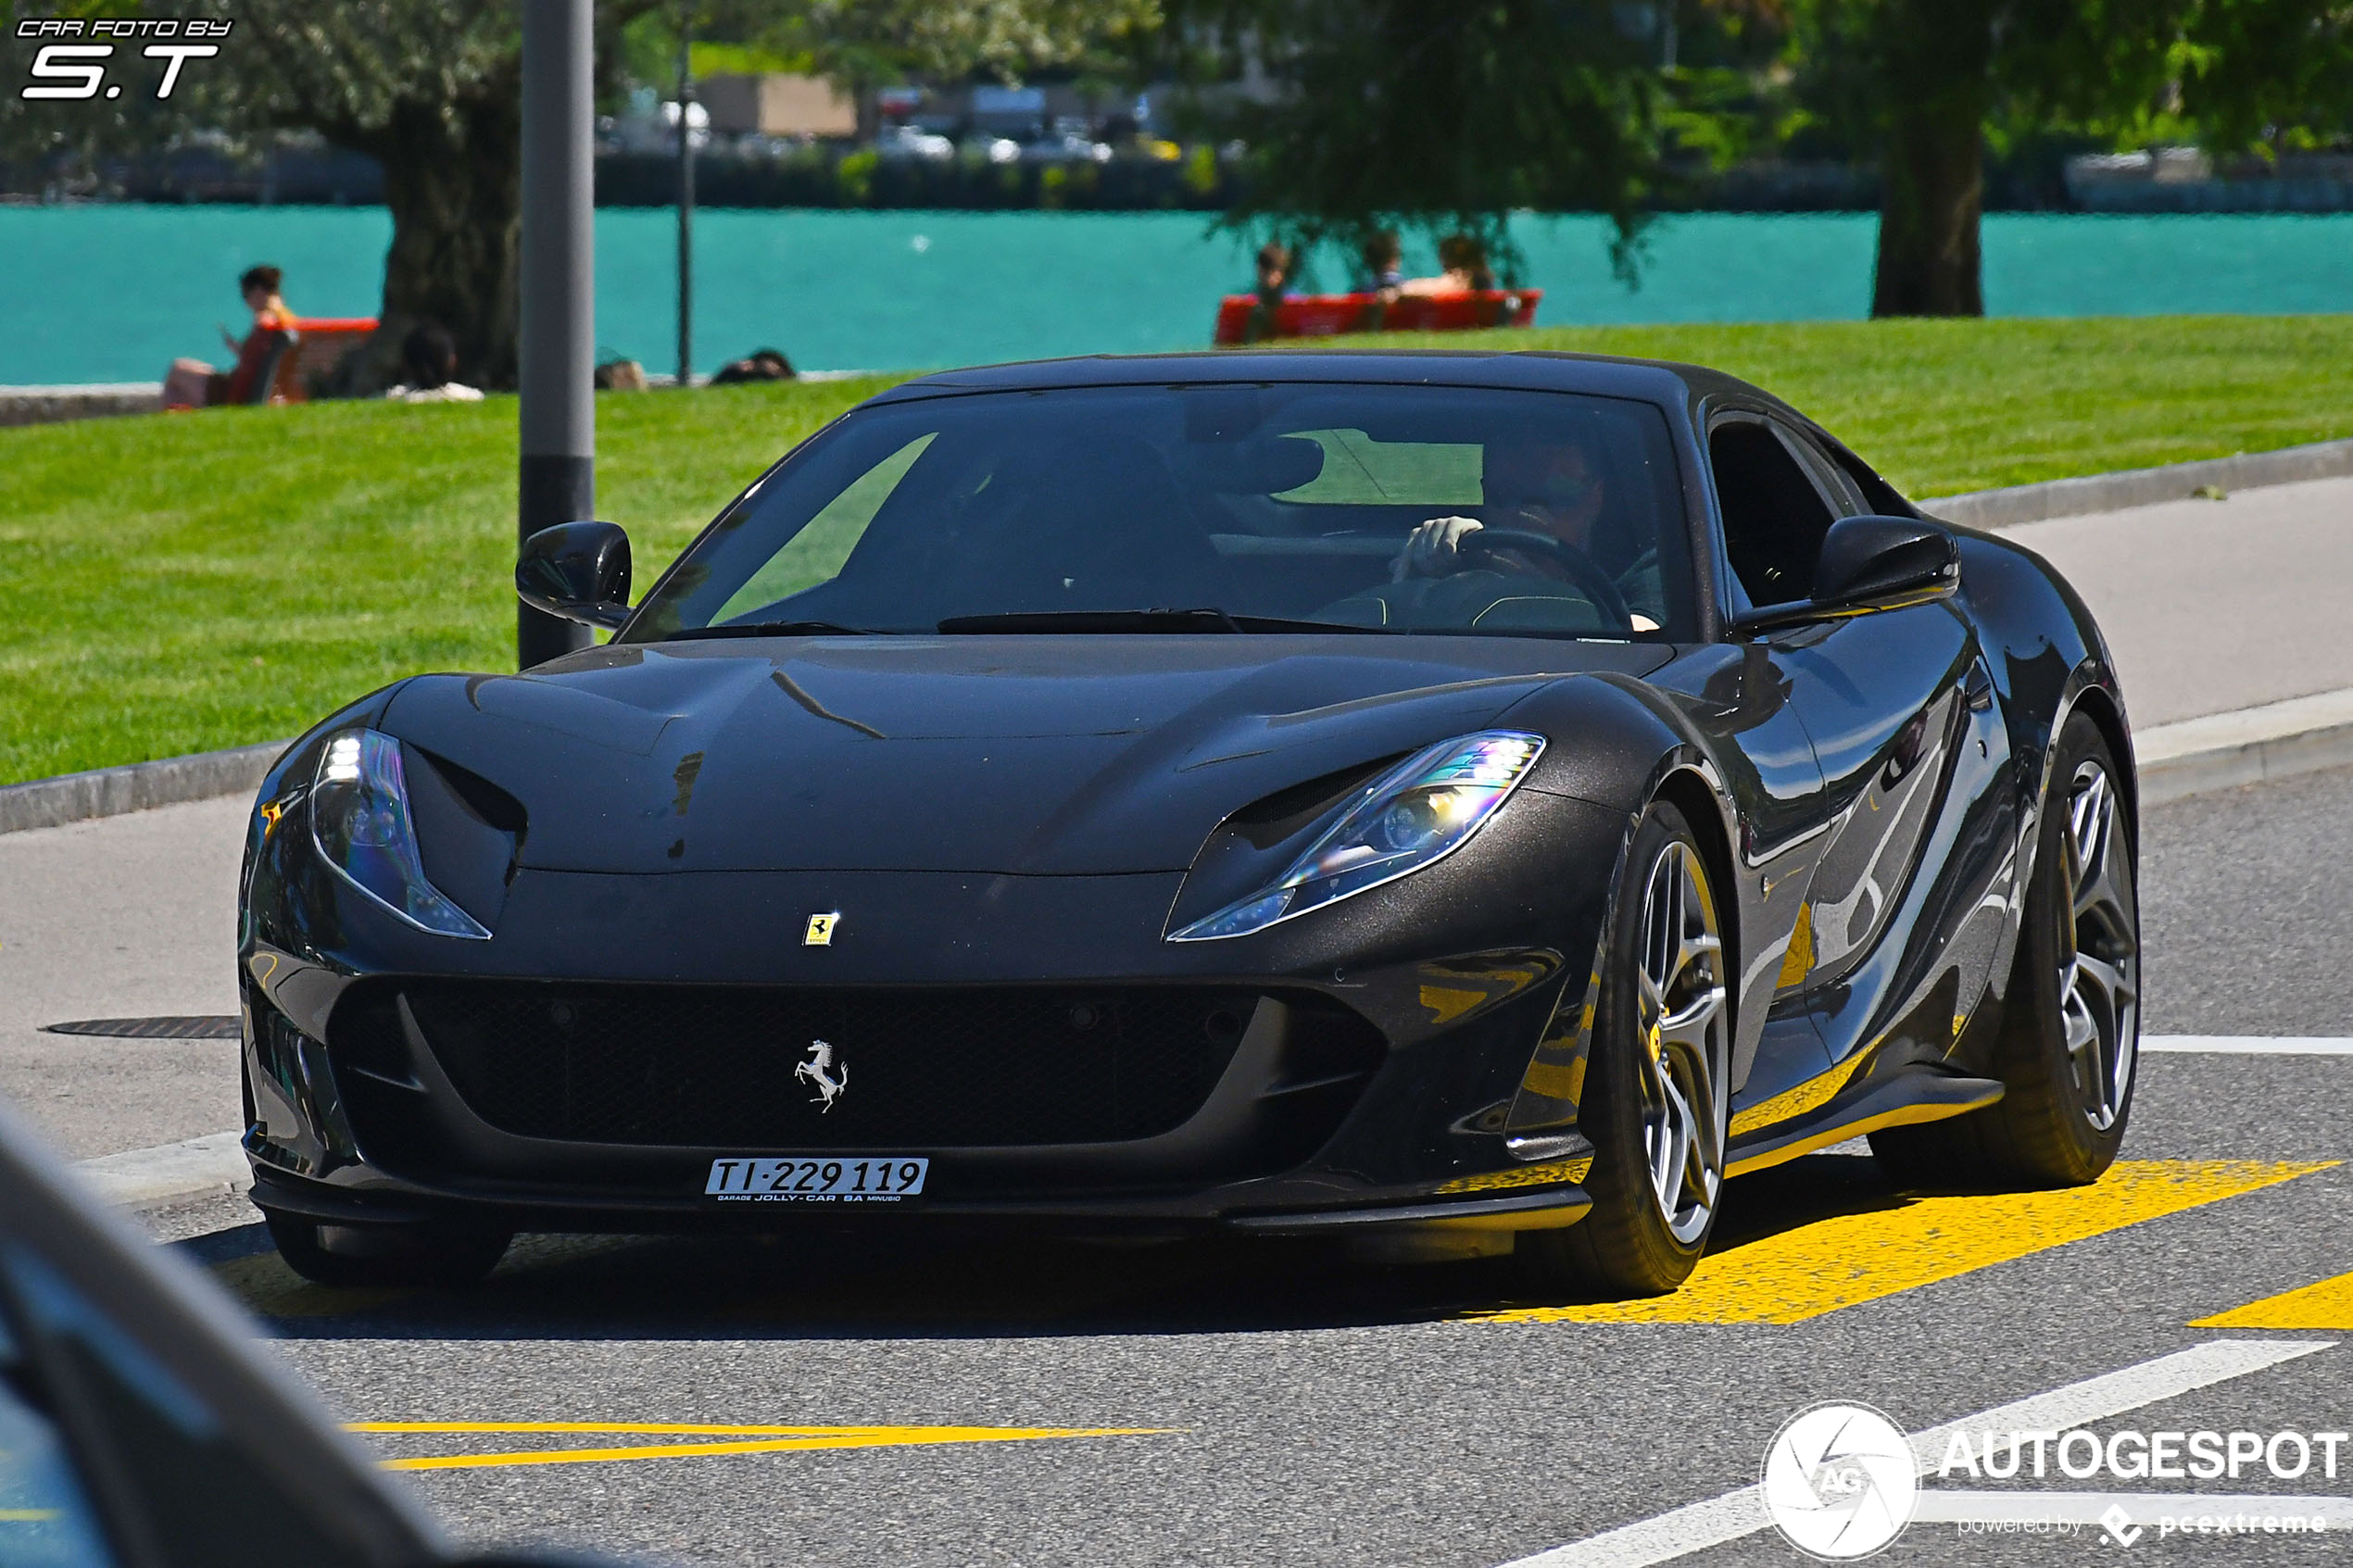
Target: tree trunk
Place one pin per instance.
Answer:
(1936, 82)
(453, 181)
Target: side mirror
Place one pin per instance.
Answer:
(576, 571)
(1883, 562)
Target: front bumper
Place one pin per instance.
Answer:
(1312, 1120)
(1370, 1084)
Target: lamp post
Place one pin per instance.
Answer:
(558, 323)
(686, 197)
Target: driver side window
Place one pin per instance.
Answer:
(1774, 517)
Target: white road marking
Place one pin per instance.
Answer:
(1696, 1526)
(2252, 1044)
(192, 1168)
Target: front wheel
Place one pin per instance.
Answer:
(2070, 1040)
(1658, 1092)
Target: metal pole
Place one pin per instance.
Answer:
(558, 324)
(686, 198)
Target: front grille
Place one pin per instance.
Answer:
(715, 1067)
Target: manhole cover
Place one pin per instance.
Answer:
(210, 1027)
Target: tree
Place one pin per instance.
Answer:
(432, 90)
(1400, 113)
(1922, 79)
(862, 43)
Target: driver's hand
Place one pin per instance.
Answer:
(1433, 549)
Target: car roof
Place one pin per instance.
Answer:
(1656, 380)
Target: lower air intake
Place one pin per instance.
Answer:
(738, 1067)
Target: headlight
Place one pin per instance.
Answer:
(360, 819)
(1415, 814)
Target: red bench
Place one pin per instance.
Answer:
(321, 342)
(1324, 315)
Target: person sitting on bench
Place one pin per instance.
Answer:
(192, 384)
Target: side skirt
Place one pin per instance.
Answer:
(1914, 1096)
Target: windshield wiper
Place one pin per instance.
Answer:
(1083, 620)
(770, 629)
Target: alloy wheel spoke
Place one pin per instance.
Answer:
(1696, 950)
(1699, 1092)
(1688, 1025)
(2114, 983)
(2090, 815)
(1672, 1172)
(2098, 898)
(2082, 1029)
(1654, 997)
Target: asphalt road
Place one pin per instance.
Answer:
(1288, 1405)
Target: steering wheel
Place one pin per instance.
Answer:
(1580, 567)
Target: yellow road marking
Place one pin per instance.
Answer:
(2328, 1304)
(1848, 1259)
(759, 1439)
(27, 1515)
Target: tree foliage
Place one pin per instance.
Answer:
(1401, 114)
(2268, 74)
(1917, 82)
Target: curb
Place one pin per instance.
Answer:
(110, 792)
(2247, 746)
(51, 405)
(174, 1172)
(2142, 487)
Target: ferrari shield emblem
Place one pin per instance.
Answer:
(820, 930)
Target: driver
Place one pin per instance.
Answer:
(1553, 486)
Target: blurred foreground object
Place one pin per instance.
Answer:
(139, 1424)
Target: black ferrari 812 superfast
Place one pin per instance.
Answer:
(1482, 802)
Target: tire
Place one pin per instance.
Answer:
(1658, 1092)
(408, 1255)
(2068, 1045)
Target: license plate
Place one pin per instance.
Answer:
(869, 1179)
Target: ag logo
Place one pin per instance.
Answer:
(820, 932)
(1840, 1482)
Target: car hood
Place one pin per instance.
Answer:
(1035, 755)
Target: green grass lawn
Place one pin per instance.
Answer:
(180, 583)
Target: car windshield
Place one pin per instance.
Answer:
(1206, 508)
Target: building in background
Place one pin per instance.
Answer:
(779, 104)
